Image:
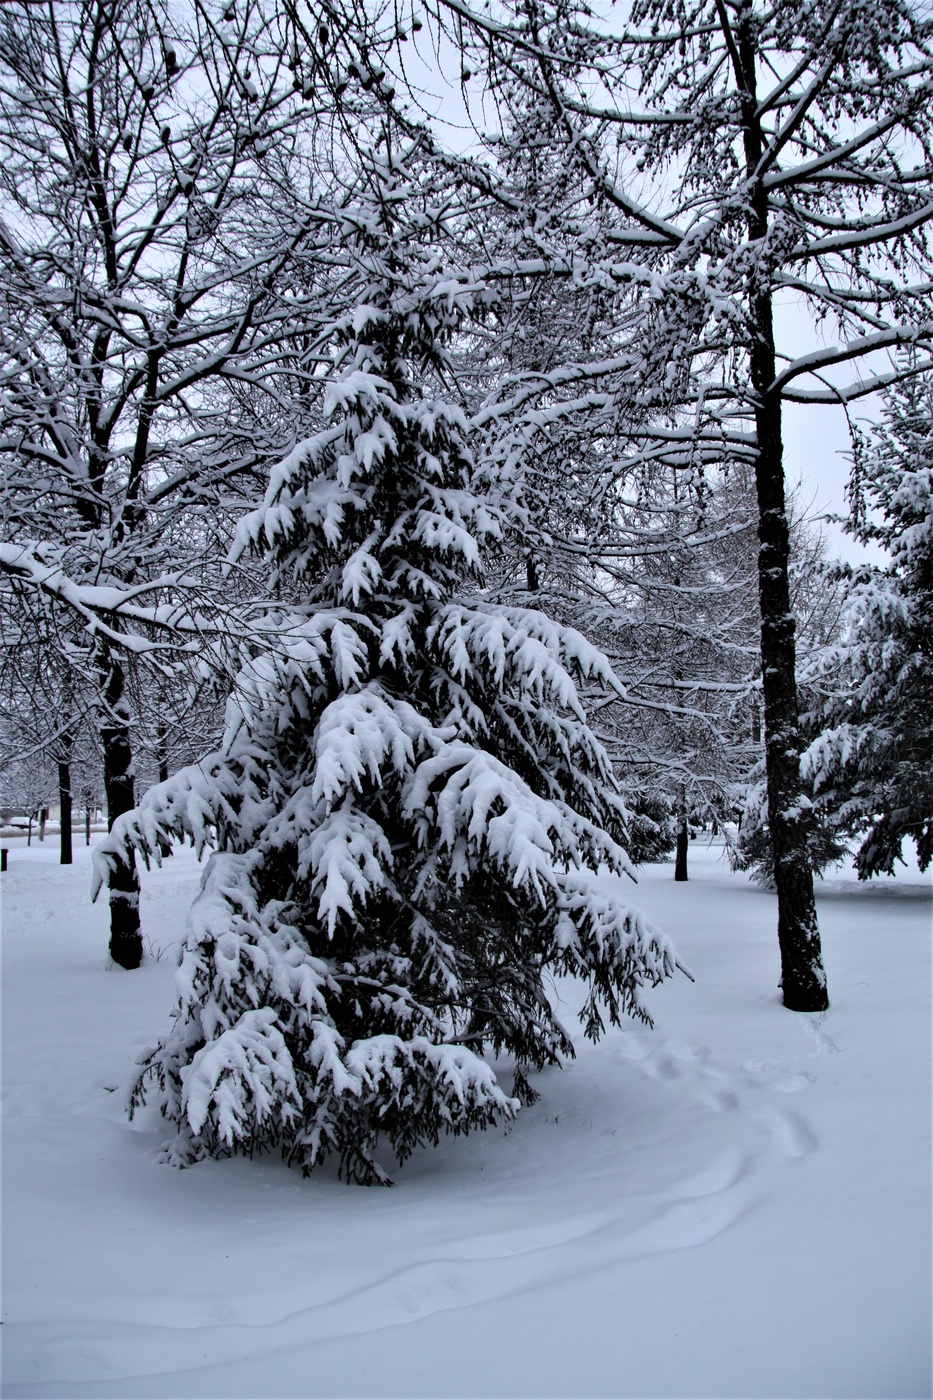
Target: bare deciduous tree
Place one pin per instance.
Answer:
(160, 221)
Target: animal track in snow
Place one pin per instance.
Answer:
(822, 1040)
(508, 1243)
(674, 1061)
(685, 1224)
(792, 1133)
(724, 1100)
(719, 1175)
(690, 1072)
(428, 1288)
(694, 1055)
(775, 1076)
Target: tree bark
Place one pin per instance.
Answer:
(683, 842)
(64, 801)
(126, 944)
(165, 847)
(803, 980)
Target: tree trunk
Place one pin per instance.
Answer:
(43, 818)
(87, 826)
(803, 980)
(126, 944)
(64, 800)
(683, 841)
(165, 847)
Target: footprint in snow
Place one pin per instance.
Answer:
(822, 1040)
(723, 1100)
(693, 1221)
(672, 1060)
(719, 1175)
(792, 1133)
(529, 1240)
(770, 1074)
(428, 1288)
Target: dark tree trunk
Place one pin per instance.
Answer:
(803, 979)
(87, 826)
(683, 842)
(64, 799)
(789, 817)
(126, 944)
(165, 847)
(43, 818)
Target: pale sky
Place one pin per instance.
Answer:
(816, 442)
(817, 446)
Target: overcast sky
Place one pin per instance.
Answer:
(817, 446)
(816, 442)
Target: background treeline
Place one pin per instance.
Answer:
(192, 201)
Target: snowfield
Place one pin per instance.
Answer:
(735, 1204)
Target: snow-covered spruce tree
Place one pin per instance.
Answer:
(871, 759)
(408, 808)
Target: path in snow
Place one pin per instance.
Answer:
(733, 1204)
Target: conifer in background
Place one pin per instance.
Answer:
(871, 762)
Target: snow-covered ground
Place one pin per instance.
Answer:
(736, 1203)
